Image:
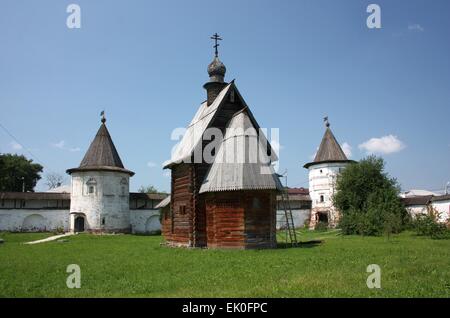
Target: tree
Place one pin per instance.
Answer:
(148, 189)
(54, 180)
(17, 171)
(368, 200)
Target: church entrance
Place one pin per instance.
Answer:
(79, 224)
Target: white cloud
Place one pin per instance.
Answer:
(151, 164)
(16, 146)
(384, 145)
(347, 149)
(62, 145)
(416, 27)
(59, 145)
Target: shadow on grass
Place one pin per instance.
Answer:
(304, 244)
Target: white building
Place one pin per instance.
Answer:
(100, 192)
(98, 199)
(423, 204)
(323, 171)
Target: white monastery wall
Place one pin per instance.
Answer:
(443, 207)
(299, 217)
(145, 221)
(29, 220)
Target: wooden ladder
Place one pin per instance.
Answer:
(290, 227)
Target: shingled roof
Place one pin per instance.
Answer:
(202, 120)
(233, 168)
(102, 154)
(329, 150)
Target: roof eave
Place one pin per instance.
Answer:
(313, 163)
(100, 168)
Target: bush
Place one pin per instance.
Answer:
(428, 225)
(368, 200)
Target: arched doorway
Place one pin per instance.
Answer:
(79, 224)
(323, 217)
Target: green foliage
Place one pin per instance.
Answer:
(15, 169)
(148, 189)
(428, 225)
(321, 226)
(368, 200)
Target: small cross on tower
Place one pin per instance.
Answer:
(216, 38)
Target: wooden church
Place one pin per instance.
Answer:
(229, 201)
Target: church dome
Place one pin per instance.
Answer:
(216, 70)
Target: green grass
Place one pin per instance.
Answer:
(137, 266)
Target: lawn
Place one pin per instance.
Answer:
(137, 266)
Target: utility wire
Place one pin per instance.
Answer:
(28, 150)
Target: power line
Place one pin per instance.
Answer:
(23, 147)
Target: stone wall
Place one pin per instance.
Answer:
(299, 217)
(145, 221)
(29, 220)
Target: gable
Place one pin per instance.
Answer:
(216, 115)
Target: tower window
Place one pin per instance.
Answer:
(322, 199)
(103, 221)
(321, 171)
(91, 183)
(182, 209)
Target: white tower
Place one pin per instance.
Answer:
(100, 189)
(323, 171)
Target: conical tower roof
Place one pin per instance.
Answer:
(329, 150)
(102, 154)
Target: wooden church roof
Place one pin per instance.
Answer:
(329, 150)
(202, 120)
(102, 154)
(237, 165)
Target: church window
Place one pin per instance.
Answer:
(182, 209)
(321, 170)
(103, 221)
(322, 199)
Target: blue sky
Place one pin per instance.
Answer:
(144, 62)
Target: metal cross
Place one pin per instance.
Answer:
(216, 38)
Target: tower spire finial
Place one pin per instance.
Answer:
(216, 38)
(102, 114)
(327, 123)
